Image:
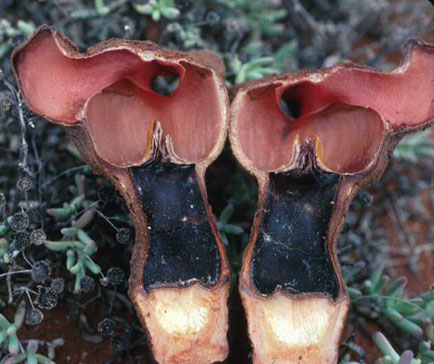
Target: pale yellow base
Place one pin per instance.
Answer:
(186, 325)
(294, 331)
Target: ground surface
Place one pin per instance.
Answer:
(395, 231)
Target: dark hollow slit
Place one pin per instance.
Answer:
(291, 253)
(165, 85)
(182, 247)
(290, 108)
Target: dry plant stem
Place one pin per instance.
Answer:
(24, 150)
(143, 143)
(334, 135)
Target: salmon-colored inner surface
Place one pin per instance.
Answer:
(122, 104)
(346, 137)
(405, 97)
(350, 138)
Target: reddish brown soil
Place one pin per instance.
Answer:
(58, 323)
(421, 275)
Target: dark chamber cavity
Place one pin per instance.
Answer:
(291, 252)
(182, 247)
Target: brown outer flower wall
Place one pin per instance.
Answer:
(294, 319)
(199, 336)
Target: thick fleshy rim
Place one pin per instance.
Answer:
(349, 185)
(147, 52)
(122, 180)
(419, 60)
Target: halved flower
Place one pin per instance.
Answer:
(313, 140)
(155, 147)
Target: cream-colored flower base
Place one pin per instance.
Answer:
(186, 325)
(294, 331)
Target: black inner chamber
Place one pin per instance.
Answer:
(291, 252)
(182, 247)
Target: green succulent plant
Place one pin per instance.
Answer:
(158, 8)
(100, 9)
(78, 253)
(415, 146)
(252, 70)
(17, 354)
(390, 356)
(78, 204)
(412, 316)
(8, 32)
